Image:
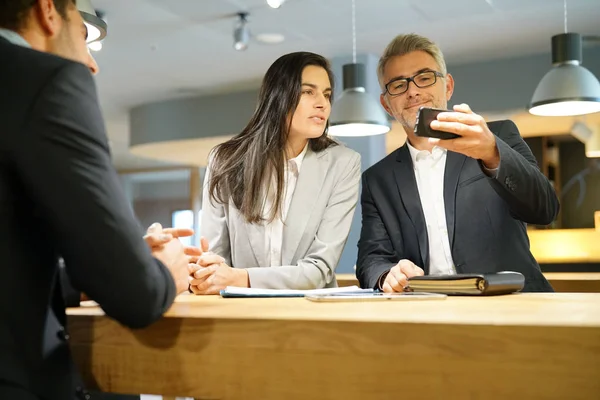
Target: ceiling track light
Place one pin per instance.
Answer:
(241, 33)
(96, 26)
(95, 46)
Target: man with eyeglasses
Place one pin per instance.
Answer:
(447, 206)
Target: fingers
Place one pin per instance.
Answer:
(462, 114)
(201, 284)
(460, 128)
(195, 290)
(409, 269)
(202, 272)
(175, 232)
(205, 290)
(467, 119)
(179, 232)
(205, 286)
(387, 288)
(460, 111)
(203, 244)
(192, 251)
(395, 281)
(154, 228)
(207, 259)
(157, 236)
(157, 239)
(464, 108)
(192, 268)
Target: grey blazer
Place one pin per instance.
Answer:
(315, 230)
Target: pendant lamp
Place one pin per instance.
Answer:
(356, 113)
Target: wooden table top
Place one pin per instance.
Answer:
(243, 349)
(572, 276)
(523, 309)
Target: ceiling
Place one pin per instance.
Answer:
(161, 49)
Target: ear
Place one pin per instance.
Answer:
(49, 18)
(385, 104)
(92, 65)
(449, 86)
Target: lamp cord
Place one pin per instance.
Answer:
(565, 6)
(354, 32)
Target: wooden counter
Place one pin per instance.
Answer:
(582, 282)
(476, 348)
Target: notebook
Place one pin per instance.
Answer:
(504, 282)
(233, 291)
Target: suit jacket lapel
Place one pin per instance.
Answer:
(311, 177)
(256, 236)
(454, 164)
(409, 193)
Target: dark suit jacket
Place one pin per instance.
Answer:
(61, 197)
(486, 217)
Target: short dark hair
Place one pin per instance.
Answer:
(14, 12)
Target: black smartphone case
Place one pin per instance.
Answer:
(424, 118)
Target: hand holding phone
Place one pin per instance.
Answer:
(423, 128)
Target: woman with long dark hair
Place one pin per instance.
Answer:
(279, 197)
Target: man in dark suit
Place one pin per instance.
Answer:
(447, 206)
(60, 197)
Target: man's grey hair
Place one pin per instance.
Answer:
(403, 44)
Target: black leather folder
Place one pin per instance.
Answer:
(504, 282)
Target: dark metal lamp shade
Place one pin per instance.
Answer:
(568, 88)
(356, 113)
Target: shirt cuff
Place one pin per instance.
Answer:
(381, 280)
(492, 173)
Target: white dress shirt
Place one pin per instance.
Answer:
(274, 229)
(429, 170)
(14, 37)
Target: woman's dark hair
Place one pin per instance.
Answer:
(241, 167)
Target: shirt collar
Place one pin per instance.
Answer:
(418, 155)
(14, 37)
(297, 161)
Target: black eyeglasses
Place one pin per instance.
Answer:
(398, 86)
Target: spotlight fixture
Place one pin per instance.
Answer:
(95, 46)
(96, 26)
(241, 33)
(275, 3)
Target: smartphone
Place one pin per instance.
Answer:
(423, 128)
